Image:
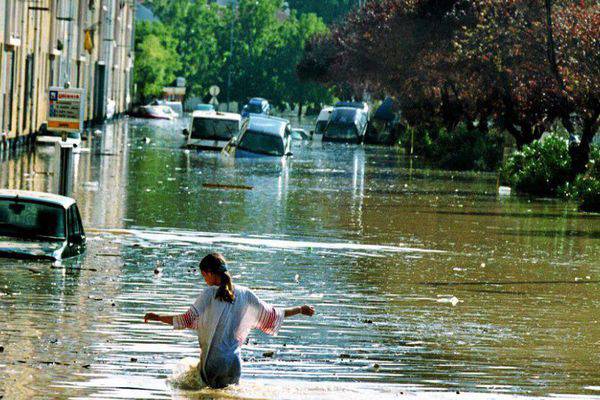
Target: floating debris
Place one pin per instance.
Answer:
(222, 186)
(269, 354)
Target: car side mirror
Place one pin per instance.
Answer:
(185, 132)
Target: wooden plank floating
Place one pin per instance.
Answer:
(221, 186)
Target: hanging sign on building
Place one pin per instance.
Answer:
(65, 109)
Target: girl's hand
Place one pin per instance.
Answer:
(151, 317)
(307, 310)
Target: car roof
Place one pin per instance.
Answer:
(256, 100)
(41, 197)
(212, 114)
(269, 125)
(325, 113)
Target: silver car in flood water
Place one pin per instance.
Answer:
(37, 225)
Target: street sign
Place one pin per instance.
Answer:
(214, 102)
(214, 90)
(65, 109)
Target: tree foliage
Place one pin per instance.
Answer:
(329, 10)
(520, 65)
(156, 58)
(266, 47)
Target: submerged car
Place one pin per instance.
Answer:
(212, 130)
(36, 225)
(256, 105)
(347, 124)
(261, 136)
(323, 120)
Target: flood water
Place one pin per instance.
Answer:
(425, 283)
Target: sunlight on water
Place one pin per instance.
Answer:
(425, 282)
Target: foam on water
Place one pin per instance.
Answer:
(206, 238)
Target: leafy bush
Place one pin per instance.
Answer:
(586, 187)
(540, 168)
(461, 149)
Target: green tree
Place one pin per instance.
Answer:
(156, 59)
(329, 10)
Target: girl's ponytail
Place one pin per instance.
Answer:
(225, 291)
(215, 263)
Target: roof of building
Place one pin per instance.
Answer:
(44, 197)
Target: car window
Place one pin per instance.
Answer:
(31, 219)
(74, 228)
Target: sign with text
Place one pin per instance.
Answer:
(65, 109)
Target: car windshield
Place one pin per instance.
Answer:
(214, 129)
(31, 219)
(254, 108)
(341, 131)
(258, 142)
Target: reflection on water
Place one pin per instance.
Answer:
(425, 283)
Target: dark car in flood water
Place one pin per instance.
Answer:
(37, 225)
(346, 124)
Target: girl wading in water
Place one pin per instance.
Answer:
(222, 316)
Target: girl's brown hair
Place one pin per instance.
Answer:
(216, 264)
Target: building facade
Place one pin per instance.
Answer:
(81, 43)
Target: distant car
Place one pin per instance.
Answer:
(323, 119)
(204, 107)
(211, 130)
(156, 112)
(37, 225)
(176, 106)
(300, 134)
(261, 136)
(256, 105)
(361, 105)
(347, 124)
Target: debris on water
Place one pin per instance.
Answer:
(86, 366)
(457, 392)
(34, 270)
(344, 355)
(147, 140)
(482, 265)
(297, 278)
(157, 270)
(113, 304)
(223, 186)
(97, 132)
(448, 300)
(108, 255)
(269, 354)
(133, 359)
(368, 321)
(94, 298)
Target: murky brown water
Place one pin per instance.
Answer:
(425, 283)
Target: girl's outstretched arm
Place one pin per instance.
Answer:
(304, 310)
(165, 319)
